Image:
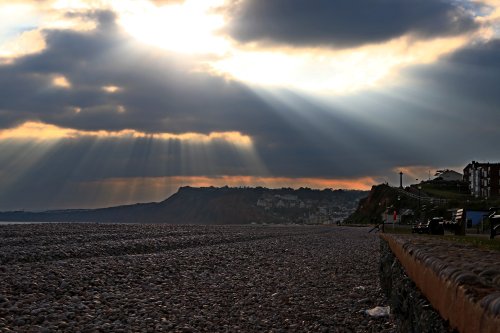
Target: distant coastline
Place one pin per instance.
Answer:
(216, 205)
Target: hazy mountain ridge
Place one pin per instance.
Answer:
(211, 205)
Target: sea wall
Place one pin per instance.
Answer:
(439, 286)
(412, 310)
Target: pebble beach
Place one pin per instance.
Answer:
(166, 278)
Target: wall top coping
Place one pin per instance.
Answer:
(461, 281)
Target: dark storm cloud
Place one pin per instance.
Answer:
(448, 116)
(445, 115)
(449, 110)
(472, 73)
(344, 23)
(160, 92)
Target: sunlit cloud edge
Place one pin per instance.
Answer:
(39, 131)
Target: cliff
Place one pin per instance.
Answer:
(371, 208)
(211, 205)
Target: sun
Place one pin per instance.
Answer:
(190, 27)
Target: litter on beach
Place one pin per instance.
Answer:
(379, 311)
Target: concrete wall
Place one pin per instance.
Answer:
(459, 281)
(411, 309)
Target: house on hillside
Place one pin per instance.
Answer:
(483, 179)
(265, 202)
(449, 176)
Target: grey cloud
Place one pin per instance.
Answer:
(434, 122)
(160, 94)
(451, 108)
(445, 115)
(473, 72)
(344, 23)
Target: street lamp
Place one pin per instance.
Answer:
(419, 211)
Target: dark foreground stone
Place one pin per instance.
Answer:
(153, 278)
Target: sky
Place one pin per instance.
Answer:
(114, 102)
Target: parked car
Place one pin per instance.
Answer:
(433, 226)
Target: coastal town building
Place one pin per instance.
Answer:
(483, 179)
(449, 176)
(308, 211)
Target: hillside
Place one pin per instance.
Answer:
(211, 205)
(371, 208)
(437, 198)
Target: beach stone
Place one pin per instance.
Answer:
(144, 277)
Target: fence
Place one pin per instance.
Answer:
(423, 198)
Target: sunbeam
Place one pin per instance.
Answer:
(101, 100)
